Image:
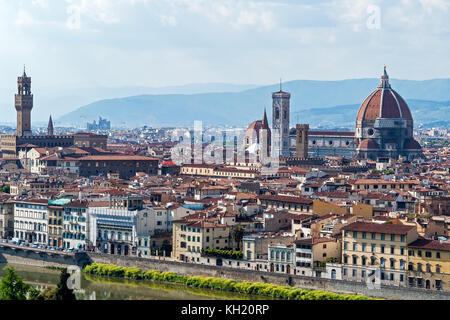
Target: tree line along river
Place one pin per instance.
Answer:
(104, 288)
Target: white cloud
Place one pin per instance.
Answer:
(40, 3)
(431, 6)
(24, 18)
(224, 40)
(170, 21)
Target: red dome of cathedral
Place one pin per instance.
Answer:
(368, 144)
(384, 103)
(256, 126)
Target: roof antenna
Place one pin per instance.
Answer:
(281, 85)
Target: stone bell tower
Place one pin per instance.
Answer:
(24, 105)
(280, 121)
(302, 140)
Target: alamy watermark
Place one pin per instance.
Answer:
(74, 281)
(218, 146)
(374, 17)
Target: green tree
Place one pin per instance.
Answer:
(62, 291)
(13, 288)
(6, 189)
(237, 234)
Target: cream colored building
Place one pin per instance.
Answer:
(191, 235)
(379, 185)
(367, 246)
(429, 264)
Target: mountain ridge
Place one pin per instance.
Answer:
(241, 108)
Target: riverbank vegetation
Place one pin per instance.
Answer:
(245, 287)
(223, 253)
(12, 287)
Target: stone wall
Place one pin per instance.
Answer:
(41, 259)
(38, 259)
(279, 279)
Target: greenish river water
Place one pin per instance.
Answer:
(103, 288)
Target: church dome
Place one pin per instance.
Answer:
(255, 129)
(368, 144)
(384, 102)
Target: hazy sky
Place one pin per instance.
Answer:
(171, 42)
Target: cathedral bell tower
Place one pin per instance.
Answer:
(280, 121)
(24, 105)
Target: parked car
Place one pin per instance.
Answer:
(5, 241)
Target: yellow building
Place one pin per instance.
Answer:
(429, 264)
(367, 247)
(55, 226)
(190, 236)
(197, 170)
(378, 185)
(362, 210)
(322, 208)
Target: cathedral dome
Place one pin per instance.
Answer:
(368, 144)
(255, 129)
(384, 102)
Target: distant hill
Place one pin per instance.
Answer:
(320, 103)
(58, 101)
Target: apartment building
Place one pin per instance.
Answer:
(378, 185)
(30, 220)
(311, 254)
(295, 205)
(429, 264)
(55, 222)
(75, 225)
(192, 234)
(367, 247)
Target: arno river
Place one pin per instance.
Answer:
(102, 288)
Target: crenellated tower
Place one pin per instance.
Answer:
(24, 105)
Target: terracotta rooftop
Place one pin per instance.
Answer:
(292, 199)
(423, 243)
(117, 157)
(331, 133)
(379, 228)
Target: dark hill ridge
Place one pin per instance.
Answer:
(326, 103)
